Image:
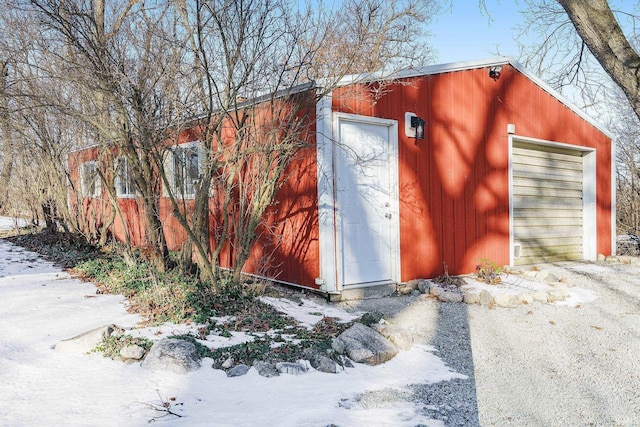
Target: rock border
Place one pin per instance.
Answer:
(461, 289)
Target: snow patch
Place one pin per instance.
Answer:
(41, 305)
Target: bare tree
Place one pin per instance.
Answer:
(600, 31)
(130, 78)
(6, 133)
(585, 45)
(258, 67)
(591, 45)
(116, 60)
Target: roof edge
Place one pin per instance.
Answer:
(469, 65)
(569, 104)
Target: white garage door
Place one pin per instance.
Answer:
(547, 203)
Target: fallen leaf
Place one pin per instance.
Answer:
(597, 327)
(552, 322)
(578, 306)
(530, 312)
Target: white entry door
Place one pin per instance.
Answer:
(366, 200)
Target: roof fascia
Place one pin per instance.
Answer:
(469, 65)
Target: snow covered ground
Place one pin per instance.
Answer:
(7, 223)
(41, 305)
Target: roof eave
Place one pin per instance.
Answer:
(469, 65)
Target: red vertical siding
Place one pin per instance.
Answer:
(454, 184)
(287, 249)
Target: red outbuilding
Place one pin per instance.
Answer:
(429, 173)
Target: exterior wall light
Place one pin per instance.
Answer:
(494, 72)
(418, 123)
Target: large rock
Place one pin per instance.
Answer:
(322, 363)
(540, 296)
(506, 300)
(486, 299)
(88, 341)
(397, 335)
(173, 354)
(132, 351)
(471, 296)
(266, 369)
(410, 286)
(424, 286)
(364, 345)
(558, 294)
(291, 368)
(446, 293)
(371, 317)
(450, 296)
(238, 371)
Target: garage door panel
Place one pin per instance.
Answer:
(547, 233)
(540, 242)
(536, 258)
(534, 182)
(545, 222)
(557, 250)
(547, 192)
(547, 175)
(537, 163)
(527, 214)
(547, 202)
(531, 149)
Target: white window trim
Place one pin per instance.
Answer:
(169, 162)
(118, 179)
(97, 183)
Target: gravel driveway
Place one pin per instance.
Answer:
(566, 364)
(555, 365)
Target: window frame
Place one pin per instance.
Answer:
(88, 171)
(124, 177)
(187, 180)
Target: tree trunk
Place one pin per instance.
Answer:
(600, 31)
(7, 139)
(158, 253)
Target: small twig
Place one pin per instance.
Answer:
(164, 407)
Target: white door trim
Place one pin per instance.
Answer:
(328, 279)
(589, 190)
(328, 131)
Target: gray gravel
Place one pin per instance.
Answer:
(535, 365)
(573, 365)
(443, 326)
(455, 400)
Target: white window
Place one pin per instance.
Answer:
(90, 185)
(182, 166)
(125, 184)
